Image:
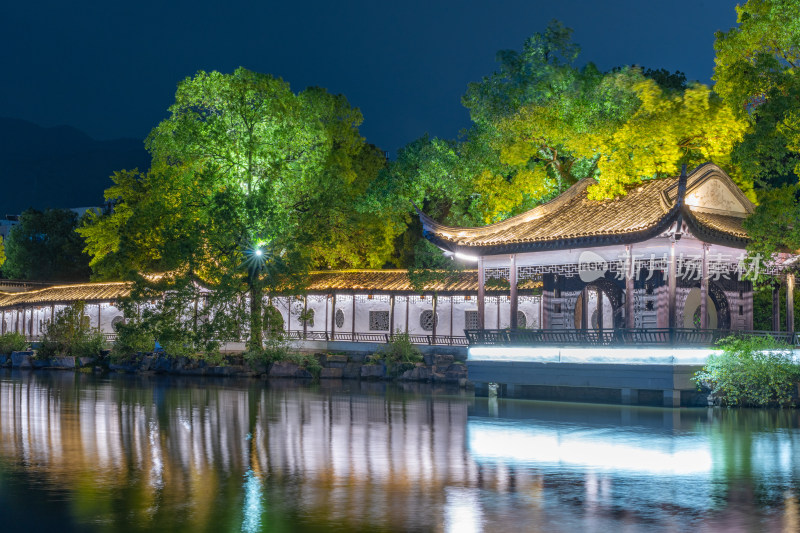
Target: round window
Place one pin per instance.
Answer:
(426, 320)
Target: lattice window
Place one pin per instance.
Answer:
(339, 318)
(379, 320)
(471, 320)
(535, 272)
(522, 320)
(119, 319)
(427, 320)
(497, 273)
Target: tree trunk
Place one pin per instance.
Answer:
(256, 314)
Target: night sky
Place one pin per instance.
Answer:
(110, 68)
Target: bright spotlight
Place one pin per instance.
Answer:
(259, 252)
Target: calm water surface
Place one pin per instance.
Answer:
(86, 453)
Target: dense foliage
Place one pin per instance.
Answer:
(251, 186)
(12, 342)
(400, 350)
(69, 334)
(183, 318)
(751, 371)
(541, 123)
(45, 247)
(756, 74)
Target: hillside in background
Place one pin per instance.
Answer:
(59, 166)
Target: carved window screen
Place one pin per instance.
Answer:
(379, 320)
(426, 320)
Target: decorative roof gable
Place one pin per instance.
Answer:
(712, 205)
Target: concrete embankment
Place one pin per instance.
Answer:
(435, 368)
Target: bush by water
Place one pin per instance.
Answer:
(751, 371)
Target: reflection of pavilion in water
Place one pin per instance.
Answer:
(413, 462)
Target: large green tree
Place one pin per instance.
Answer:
(250, 186)
(541, 122)
(44, 246)
(756, 73)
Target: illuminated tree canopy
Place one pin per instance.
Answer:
(541, 123)
(250, 185)
(756, 73)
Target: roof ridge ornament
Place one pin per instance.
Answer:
(679, 203)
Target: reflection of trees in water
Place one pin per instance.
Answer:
(175, 453)
(756, 455)
(189, 454)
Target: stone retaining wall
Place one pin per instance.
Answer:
(436, 368)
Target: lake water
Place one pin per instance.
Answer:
(119, 453)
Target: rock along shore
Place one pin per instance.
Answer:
(434, 368)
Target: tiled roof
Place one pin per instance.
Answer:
(394, 281)
(383, 280)
(729, 225)
(67, 293)
(572, 219)
(319, 282)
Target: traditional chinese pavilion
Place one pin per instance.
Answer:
(663, 264)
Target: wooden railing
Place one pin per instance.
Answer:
(438, 340)
(615, 337)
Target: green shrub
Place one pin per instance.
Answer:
(400, 350)
(276, 348)
(132, 337)
(12, 342)
(751, 371)
(69, 335)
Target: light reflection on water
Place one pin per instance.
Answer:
(78, 452)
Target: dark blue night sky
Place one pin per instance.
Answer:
(110, 68)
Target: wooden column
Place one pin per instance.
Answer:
(498, 310)
(435, 301)
(353, 321)
(100, 313)
(289, 315)
(585, 309)
(541, 310)
(451, 318)
(630, 319)
(333, 316)
(481, 295)
(672, 282)
(325, 322)
(599, 309)
(790, 302)
(305, 316)
(512, 293)
(776, 305)
(391, 315)
(408, 304)
(704, 289)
